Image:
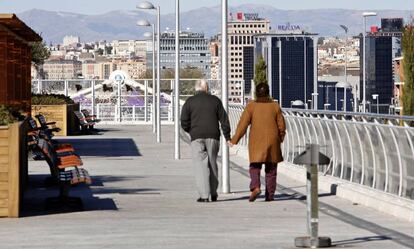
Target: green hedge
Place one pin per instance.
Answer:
(51, 99)
(9, 115)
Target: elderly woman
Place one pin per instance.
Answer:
(267, 132)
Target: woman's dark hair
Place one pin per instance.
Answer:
(262, 90)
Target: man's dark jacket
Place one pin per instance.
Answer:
(201, 114)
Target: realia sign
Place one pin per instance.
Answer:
(289, 27)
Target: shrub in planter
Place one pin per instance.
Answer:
(13, 159)
(9, 115)
(51, 99)
(56, 108)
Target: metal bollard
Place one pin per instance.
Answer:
(311, 157)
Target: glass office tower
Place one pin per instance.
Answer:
(291, 65)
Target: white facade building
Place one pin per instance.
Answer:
(70, 40)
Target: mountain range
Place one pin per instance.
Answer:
(121, 24)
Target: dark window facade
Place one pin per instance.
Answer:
(297, 57)
(248, 66)
(379, 72)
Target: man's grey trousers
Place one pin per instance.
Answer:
(204, 153)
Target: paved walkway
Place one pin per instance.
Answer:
(142, 198)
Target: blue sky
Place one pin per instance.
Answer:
(102, 6)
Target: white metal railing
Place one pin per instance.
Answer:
(371, 150)
(136, 102)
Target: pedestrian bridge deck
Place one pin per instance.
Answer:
(143, 198)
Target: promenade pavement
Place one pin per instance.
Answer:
(142, 198)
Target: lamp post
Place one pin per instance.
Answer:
(153, 78)
(309, 104)
(177, 82)
(326, 106)
(224, 94)
(345, 28)
(345, 86)
(150, 6)
(315, 101)
(376, 97)
(147, 34)
(365, 16)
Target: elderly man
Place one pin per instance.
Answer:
(200, 116)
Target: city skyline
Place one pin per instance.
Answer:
(99, 7)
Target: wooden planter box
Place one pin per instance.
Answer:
(61, 114)
(13, 168)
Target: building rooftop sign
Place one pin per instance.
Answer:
(289, 27)
(240, 16)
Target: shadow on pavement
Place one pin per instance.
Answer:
(278, 197)
(41, 187)
(114, 147)
(360, 240)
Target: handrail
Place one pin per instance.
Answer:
(362, 149)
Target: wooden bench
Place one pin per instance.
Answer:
(45, 125)
(67, 172)
(86, 126)
(89, 117)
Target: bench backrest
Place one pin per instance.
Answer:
(85, 113)
(49, 155)
(42, 120)
(32, 123)
(81, 117)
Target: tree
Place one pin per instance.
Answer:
(408, 68)
(320, 40)
(40, 53)
(100, 51)
(260, 72)
(108, 50)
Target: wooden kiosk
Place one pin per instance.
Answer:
(15, 90)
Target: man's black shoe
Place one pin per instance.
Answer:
(214, 198)
(202, 200)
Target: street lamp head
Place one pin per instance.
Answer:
(147, 34)
(145, 5)
(342, 85)
(298, 103)
(366, 14)
(143, 23)
(345, 28)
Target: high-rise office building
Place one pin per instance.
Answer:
(241, 29)
(382, 47)
(194, 52)
(291, 64)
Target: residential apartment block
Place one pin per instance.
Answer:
(62, 69)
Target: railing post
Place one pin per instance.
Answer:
(93, 97)
(39, 86)
(146, 102)
(119, 102)
(133, 113)
(66, 84)
(98, 114)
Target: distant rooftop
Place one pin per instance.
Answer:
(183, 34)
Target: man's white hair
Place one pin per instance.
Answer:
(201, 85)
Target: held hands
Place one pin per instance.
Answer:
(230, 144)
